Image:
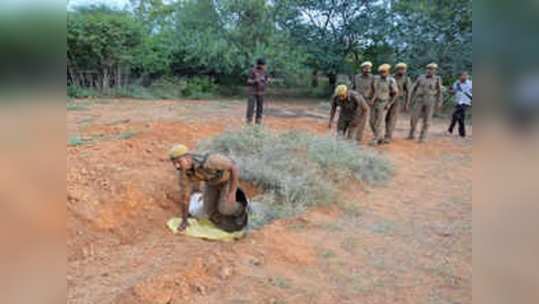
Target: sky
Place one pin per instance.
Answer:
(112, 3)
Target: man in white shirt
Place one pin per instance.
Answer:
(462, 89)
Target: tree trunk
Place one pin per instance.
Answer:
(314, 79)
(118, 81)
(105, 80)
(332, 80)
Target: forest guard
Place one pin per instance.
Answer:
(220, 176)
(384, 94)
(426, 95)
(363, 81)
(354, 112)
(404, 86)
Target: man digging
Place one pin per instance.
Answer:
(220, 176)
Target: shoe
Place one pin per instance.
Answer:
(386, 141)
(373, 142)
(410, 137)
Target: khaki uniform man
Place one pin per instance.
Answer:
(364, 81)
(404, 86)
(220, 176)
(354, 112)
(385, 92)
(426, 94)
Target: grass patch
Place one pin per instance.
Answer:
(72, 106)
(328, 254)
(76, 140)
(296, 170)
(280, 282)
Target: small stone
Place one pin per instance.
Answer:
(225, 273)
(200, 289)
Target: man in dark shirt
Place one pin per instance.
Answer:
(353, 115)
(256, 88)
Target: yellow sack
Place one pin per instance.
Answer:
(204, 229)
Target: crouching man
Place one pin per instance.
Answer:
(220, 176)
(354, 113)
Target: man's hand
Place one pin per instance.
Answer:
(183, 225)
(439, 106)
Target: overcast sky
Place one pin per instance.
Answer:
(112, 3)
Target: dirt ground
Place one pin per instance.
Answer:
(409, 241)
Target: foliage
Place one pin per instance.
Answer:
(301, 39)
(296, 169)
(198, 88)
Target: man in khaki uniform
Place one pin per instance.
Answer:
(364, 81)
(426, 94)
(385, 92)
(404, 86)
(220, 176)
(353, 115)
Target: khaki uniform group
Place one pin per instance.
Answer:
(380, 98)
(376, 99)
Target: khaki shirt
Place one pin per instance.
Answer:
(214, 169)
(385, 88)
(425, 86)
(404, 84)
(364, 85)
(349, 106)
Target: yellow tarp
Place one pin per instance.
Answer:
(204, 229)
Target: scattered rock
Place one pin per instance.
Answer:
(225, 273)
(255, 262)
(200, 289)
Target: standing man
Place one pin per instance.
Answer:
(256, 88)
(427, 94)
(462, 89)
(220, 175)
(404, 87)
(385, 93)
(363, 84)
(354, 111)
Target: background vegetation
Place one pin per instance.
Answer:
(197, 48)
(296, 170)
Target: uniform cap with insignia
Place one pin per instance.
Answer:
(366, 63)
(178, 151)
(384, 67)
(341, 90)
(432, 66)
(401, 65)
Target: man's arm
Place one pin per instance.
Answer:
(374, 92)
(453, 89)
(333, 110)
(393, 92)
(414, 88)
(408, 90)
(185, 195)
(439, 94)
(234, 180)
(251, 80)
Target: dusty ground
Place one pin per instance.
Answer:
(408, 241)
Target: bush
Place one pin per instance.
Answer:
(199, 88)
(297, 170)
(75, 91)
